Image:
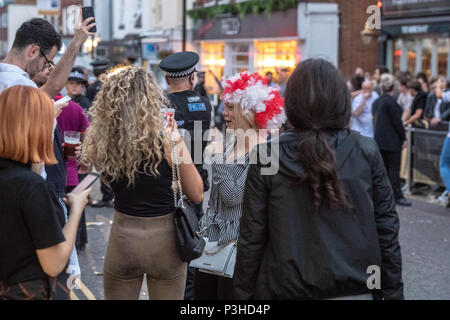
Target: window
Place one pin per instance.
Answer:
(411, 56)
(240, 57)
(427, 49)
(397, 48)
(442, 56)
(274, 55)
(213, 58)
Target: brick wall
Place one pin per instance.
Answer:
(353, 52)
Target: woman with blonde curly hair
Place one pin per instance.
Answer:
(127, 144)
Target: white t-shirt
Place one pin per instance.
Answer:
(364, 123)
(10, 76)
(405, 101)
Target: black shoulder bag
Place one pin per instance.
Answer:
(190, 244)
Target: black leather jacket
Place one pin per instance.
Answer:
(431, 105)
(287, 251)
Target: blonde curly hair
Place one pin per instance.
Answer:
(126, 127)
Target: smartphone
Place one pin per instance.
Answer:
(63, 101)
(167, 114)
(86, 183)
(88, 12)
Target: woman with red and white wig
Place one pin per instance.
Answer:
(252, 110)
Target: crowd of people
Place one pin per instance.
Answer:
(385, 105)
(310, 230)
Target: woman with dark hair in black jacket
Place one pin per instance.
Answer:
(325, 226)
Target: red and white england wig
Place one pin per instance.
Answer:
(251, 92)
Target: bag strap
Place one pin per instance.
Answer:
(176, 177)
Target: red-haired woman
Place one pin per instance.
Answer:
(34, 247)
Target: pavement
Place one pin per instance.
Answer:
(424, 238)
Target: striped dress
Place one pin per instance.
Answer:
(221, 221)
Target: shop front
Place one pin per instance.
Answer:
(417, 36)
(255, 43)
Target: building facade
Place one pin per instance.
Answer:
(416, 36)
(233, 42)
(12, 15)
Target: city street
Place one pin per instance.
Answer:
(423, 235)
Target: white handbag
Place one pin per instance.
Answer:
(217, 260)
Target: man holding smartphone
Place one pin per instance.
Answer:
(34, 48)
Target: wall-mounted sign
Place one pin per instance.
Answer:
(278, 24)
(415, 29)
(231, 26)
(49, 7)
(415, 7)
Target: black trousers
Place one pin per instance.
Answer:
(82, 237)
(392, 162)
(211, 287)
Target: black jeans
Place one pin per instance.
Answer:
(392, 162)
(82, 237)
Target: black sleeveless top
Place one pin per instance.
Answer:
(150, 196)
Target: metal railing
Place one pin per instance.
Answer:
(417, 159)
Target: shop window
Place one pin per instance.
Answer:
(274, 55)
(443, 53)
(240, 57)
(213, 59)
(427, 49)
(411, 56)
(397, 54)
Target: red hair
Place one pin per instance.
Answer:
(26, 124)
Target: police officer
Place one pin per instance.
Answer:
(200, 87)
(191, 110)
(189, 106)
(75, 87)
(100, 66)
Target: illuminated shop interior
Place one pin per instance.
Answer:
(227, 58)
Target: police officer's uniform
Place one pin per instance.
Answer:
(200, 87)
(100, 66)
(189, 105)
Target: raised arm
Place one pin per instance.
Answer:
(191, 181)
(59, 76)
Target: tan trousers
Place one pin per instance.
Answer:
(139, 246)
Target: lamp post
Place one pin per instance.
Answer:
(184, 25)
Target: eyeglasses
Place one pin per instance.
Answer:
(49, 63)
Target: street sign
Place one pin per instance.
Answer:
(49, 7)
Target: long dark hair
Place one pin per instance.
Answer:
(318, 100)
